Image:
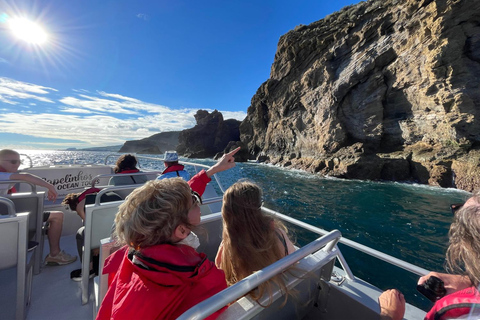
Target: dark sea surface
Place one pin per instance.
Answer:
(407, 221)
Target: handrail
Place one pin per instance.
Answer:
(29, 158)
(355, 245)
(109, 189)
(10, 206)
(106, 175)
(238, 290)
(181, 162)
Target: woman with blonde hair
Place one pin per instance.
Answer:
(251, 239)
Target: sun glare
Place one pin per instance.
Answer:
(27, 30)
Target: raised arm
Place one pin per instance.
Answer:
(28, 177)
(227, 161)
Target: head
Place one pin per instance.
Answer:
(71, 200)
(249, 235)
(170, 158)
(159, 212)
(9, 160)
(125, 162)
(463, 253)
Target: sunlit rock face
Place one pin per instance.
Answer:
(380, 90)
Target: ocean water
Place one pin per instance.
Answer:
(407, 221)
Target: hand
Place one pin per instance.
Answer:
(392, 305)
(452, 282)
(52, 194)
(227, 161)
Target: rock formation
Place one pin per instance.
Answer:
(385, 89)
(156, 144)
(210, 135)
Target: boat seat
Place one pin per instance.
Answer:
(13, 236)
(31, 202)
(99, 218)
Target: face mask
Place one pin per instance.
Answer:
(191, 240)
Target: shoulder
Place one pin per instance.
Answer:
(5, 176)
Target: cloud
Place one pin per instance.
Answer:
(11, 91)
(143, 16)
(4, 61)
(90, 118)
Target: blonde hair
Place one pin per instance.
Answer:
(151, 213)
(250, 240)
(463, 253)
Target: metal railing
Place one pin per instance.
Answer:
(352, 244)
(209, 306)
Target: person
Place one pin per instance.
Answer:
(77, 202)
(463, 256)
(127, 164)
(251, 239)
(9, 163)
(158, 266)
(173, 168)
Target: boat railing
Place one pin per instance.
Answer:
(196, 166)
(352, 244)
(209, 306)
(29, 159)
(10, 207)
(97, 178)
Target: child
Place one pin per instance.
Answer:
(251, 240)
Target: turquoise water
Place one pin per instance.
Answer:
(407, 221)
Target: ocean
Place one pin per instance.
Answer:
(407, 221)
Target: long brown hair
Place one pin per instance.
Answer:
(250, 240)
(125, 162)
(463, 253)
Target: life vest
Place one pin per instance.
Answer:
(175, 167)
(455, 305)
(86, 192)
(12, 189)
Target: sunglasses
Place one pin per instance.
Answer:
(14, 161)
(197, 199)
(455, 207)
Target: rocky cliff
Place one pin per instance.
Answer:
(210, 135)
(384, 89)
(158, 143)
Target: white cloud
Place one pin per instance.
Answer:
(4, 61)
(143, 16)
(92, 119)
(12, 90)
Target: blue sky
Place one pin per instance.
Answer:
(117, 70)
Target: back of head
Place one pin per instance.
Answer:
(463, 253)
(125, 162)
(151, 213)
(171, 157)
(71, 200)
(249, 236)
(8, 152)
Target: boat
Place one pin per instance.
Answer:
(324, 286)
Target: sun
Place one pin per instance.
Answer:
(28, 31)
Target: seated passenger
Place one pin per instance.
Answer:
(9, 163)
(251, 240)
(173, 168)
(126, 164)
(462, 297)
(158, 273)
(77, 202)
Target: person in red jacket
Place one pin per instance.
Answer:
(158, 273)
(462, 297)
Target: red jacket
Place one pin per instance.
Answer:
(179, 279)
(199, 182)
(455, 305)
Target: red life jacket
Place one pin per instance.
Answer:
(12, 189)
(455, 305)
(129, 171)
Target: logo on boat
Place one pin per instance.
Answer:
(71, 181)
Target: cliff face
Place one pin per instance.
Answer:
(156, 144)
(379, 90)
(210, 136)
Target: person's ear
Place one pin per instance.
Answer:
(180, 232)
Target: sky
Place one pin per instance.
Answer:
(116, 70)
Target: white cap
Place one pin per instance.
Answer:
(170, 156)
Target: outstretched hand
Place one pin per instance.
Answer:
(452, 282)
(392, 305)
(227, 161)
